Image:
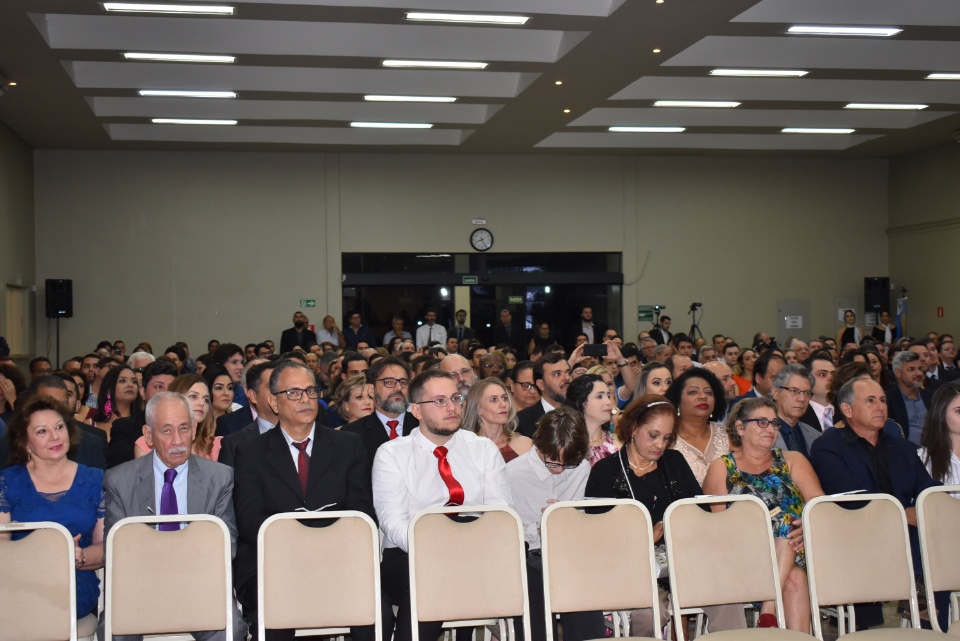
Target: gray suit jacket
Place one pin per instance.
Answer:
(810, 434)
(130, 491)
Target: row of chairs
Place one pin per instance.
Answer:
(469, 573)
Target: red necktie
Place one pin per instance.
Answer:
(456, 490)
(303, 464)
(393, 429)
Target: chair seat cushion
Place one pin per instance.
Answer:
(757, 634)
(87, 626)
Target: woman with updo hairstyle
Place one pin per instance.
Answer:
(42, 484)
(352, 401)
(119, 397)
(655, 378)
(647, 470)
(743, 370)
(490, 412)
(591, 396)
(700, 436)
(221, 390)
(785, 482)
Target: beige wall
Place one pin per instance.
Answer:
(169, 245)
(17, 261)
(924, 235)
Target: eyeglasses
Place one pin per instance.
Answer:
(390, 383)
(550, 465)
(295, 393)
(495, 366)
(798, 392)
(463, 373)
(524, 386)
(763, 422)
(443, 401)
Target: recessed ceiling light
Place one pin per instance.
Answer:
(138, 7)
(191, 121)
(178, 57)
(409, 98)
(879, 105)
(882, 32)
(759, 73)
(558, 82)
(434, 64)
(392, 125)
(566, 111)
(815, 130)
(656, 51)
(474, 18)
(648, 130)
(944, 76)
(696, 103)
(11, 84)
(187, 94)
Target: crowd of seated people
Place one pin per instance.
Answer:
(343, 419)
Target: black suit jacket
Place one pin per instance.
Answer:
(897, 409)
(229, 444)
(657, 335)
(374, 434)
(288, 339)
(468, 334)
(528, 419)
(266, 483)
(234, 421)
(810, 418)
(123, 436)
(517, 339)
(570, 340)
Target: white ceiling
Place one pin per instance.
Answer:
(303, 67)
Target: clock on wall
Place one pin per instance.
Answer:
(481, 239)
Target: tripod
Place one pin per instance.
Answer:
(694, 328)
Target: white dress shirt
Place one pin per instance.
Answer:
(406, 479)
(953, 476)
(532, 485)
(294, 452)
(429, 333)
(384, 418)
(323, 336)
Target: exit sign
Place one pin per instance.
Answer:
(470, 280)
(308, 302)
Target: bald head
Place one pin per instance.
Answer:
(725, 374)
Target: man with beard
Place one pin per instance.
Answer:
(390, 377)
(551, 374)
(725, 375)
(438, 464)
(908, 400)
(298, 335)
(459, 368)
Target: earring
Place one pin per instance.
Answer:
(678, 411)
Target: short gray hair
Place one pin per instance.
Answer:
(795, 369)
(846, 393)
(138, 356)
(157, 399)
(904, 357)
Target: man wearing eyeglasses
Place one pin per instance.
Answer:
(792, 391)
(438, 464)
(297, 466)
(554, 469)
(459, 368)
(390, 377)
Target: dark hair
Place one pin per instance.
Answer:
(179, 351)
(212, 373)
(675, 391)
(67, 379)
(819, 355)
(562, 432)
(49, 381)
(745, 409)
(762, 364)
(255, 373)
(680, 338)
(415, 392)
(548, 359)
(15, 376)
(472, 348)
(844, 374)
(629, 351)
(350, 357)
(108, 392)
(248, 346)
(17, 429)
(641, 411)
(39, 359)
(159, 367)
(580, 389)
(520, 367)
(936, 435)
(225, 352)
(211, 342)
(376, 369)
(294, 355)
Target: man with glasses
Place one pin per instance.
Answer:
(459, 368)
(293, 467)
(40, 366)
(438, 464)
(390, 377)
(792, 391)
(554, 469)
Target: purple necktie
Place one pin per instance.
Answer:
(168, 500)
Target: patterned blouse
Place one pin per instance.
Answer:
(717, 446)
(602, 451)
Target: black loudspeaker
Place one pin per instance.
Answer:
(59, 298)
(876, 294)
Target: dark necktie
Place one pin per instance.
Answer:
(459, 334)
(168, 500)
(393, 428)
(788, 437)
(303, 464)
(456, 490)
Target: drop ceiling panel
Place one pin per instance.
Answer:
(285, 135)
(274, 37)
(123, 75)
(806, 52)
(757, 118)
(288, 110)
(888, 13)
(768, 142)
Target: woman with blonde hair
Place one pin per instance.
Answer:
(490, 412)
(352, 401)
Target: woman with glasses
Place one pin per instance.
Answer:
(490, 412)
(784, 481)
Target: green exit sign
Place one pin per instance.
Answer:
(470, 280)
(515, 300)
(308, 302)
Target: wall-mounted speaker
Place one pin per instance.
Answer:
(59, 298)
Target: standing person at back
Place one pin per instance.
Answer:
(430, 331)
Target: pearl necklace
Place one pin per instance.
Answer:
(640, 468)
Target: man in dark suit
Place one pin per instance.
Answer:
(298, 335)
(460, 331)
(662, 333)
(511, 334)
(296, 466)
(551, 375)
(390, 377)
(585, 326)
(198, 486)
(156, 378)
(257, 381)
(765, 370)
(908, 400)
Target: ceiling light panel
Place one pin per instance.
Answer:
(433, 64)
(886, 106)
(392, 125)
(944, 76)
(824, 30)
(191, 121)
(379, 98)
(759, 73)
(179, 57)
(647, 130)
(193, 9)
(816, 130)
(469, 18)
(174, 93)
(709, 104)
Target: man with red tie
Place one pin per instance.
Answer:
(438, 464)
(390, 377)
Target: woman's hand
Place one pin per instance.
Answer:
(7, 392)
(79, 557)
(795, 538)
(576, 356)
(657, 532)
(613, 351)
